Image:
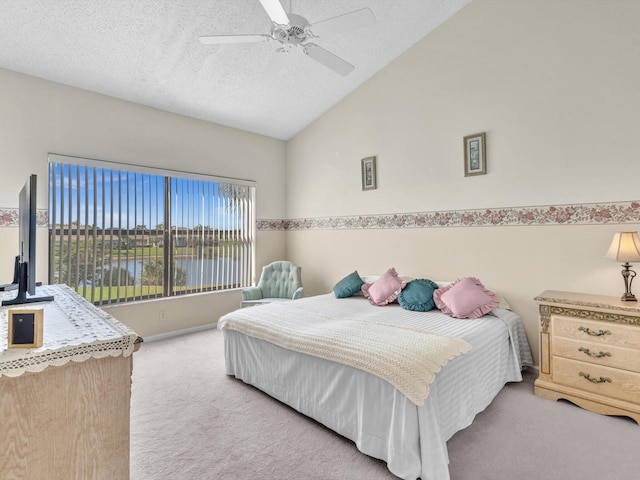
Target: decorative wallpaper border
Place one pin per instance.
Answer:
(9, 217)
(585, 214)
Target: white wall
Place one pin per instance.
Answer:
(554, 85)
(38, 117)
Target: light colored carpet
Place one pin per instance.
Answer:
(190, 421)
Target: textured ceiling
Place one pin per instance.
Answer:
(148, 52)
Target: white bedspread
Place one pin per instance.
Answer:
(408, 358)
(382, 421)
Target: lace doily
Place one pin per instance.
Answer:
(73, 329)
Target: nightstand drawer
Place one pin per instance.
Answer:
(596, 332)
(597, 353)
(606, 381)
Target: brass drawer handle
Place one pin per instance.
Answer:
(594, 334)
(594, 355)
(595, 380)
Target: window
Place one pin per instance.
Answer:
(120, 233)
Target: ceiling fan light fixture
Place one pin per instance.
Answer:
(295, 32)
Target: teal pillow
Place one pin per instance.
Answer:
(418, 295)
(348, 286)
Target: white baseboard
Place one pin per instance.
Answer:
(177, 333)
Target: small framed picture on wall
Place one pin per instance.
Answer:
(475, 155)
(369, 173)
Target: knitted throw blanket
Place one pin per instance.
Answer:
(406, 358)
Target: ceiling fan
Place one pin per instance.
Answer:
(293, 31)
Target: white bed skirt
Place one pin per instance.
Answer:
(381, 421)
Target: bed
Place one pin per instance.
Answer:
(409, 435)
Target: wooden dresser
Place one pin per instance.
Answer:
(64, 407)
(590, 352)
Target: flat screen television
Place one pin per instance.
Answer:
(26, 260)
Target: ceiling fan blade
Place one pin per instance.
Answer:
(216, 39)
(275, 11)
(343, 23)
(328, 59)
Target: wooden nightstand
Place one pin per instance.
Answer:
(590, 352)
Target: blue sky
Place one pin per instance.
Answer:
(138, 196)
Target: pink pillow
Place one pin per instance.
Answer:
(385, 289)
(465, 298)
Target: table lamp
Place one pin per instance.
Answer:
(625, 247)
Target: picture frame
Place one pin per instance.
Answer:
(475, 154)
(25, 328)
(369, 173)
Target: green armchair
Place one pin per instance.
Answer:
(279, 282)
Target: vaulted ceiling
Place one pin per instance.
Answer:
(148, 52)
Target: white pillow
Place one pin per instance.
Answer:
(373, 278)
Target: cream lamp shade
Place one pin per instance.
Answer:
(625, 247)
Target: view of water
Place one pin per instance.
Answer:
(198, 271)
